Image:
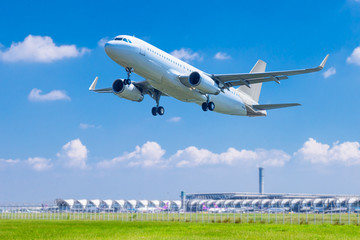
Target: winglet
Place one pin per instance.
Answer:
(324, 61)
(93, 85)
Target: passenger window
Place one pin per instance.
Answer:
(118, 39)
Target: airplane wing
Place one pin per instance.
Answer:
(143, 86)
(146, 88)
(230, 80)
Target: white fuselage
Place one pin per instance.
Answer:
(162, 71)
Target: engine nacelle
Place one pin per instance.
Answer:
(203, 83)
(130, 92)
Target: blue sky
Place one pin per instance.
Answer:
(57, 139)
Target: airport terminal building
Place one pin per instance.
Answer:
(221, 202)
(98, 205)
(271, 202)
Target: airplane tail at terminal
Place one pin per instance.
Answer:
(204, 207)
(254, 90)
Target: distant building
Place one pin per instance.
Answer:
(256, 202)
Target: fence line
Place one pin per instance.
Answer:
(334, 216)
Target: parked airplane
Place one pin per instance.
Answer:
(166, 75)
(165, 207)
(216, 209)
(204, 207)
(154, 209)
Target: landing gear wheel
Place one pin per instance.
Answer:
(160, 111)
(204, 106)
(211, 106)
(154, 111)
(129, 70)
(127, 81)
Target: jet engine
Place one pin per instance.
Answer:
(130, 92)
(203, 83)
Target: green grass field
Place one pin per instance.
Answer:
(88, 230)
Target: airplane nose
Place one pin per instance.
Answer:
(115, 49)
(108, 46)
(111, 49)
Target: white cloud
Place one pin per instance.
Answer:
(174, 119)
(354, 57)
(87, 126)
(8, 162)
(152, 155)
(186, 54)
(148, 155)
(331, 71)
(222, 56)
(40, 164)
(192, 157)
(74, 154)
(40, 49)
(36, 96)
(346, 153)
(272, 158)
(101, 42)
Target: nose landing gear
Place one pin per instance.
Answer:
(129, 70)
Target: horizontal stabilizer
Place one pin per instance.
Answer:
(274, 106)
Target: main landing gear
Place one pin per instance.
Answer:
(157, 110)
(208, 105)
(129, 70)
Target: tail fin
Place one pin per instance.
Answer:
(254, 90)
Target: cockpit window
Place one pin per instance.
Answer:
(123, 39)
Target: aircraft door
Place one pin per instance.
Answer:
(142, 50)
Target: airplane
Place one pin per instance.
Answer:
(275, 210)
(216, 209)
(154, 209)
(204, 207)
(166, 75)
(165, 207)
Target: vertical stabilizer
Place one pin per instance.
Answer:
(254, 90)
